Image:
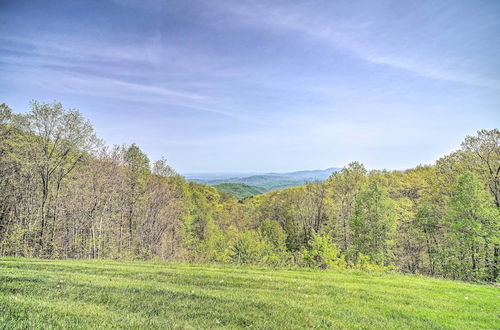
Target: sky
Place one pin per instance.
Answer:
(260, 86)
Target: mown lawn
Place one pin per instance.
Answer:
(108, 294)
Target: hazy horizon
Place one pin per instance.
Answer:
(240, 173)
(255, 86)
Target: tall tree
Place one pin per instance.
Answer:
(484, 148)
(346, 186)
(474, 224)
(373, 224)
(428, 221)
(56, 140)
(137, 164)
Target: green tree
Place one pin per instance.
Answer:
(346, 186)
(484, 149)
(473, 222)
(54, 143)
(138, 171)
(273, 239)
(322, 253)
(247, 248)
(215, 246)
(428, 221)
(374, 224)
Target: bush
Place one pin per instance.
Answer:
(363, 263)
(247, 248)
(215, 247)
(322, 253)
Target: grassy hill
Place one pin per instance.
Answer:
(105, 294)
(238, 190)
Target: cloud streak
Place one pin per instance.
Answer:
(83, 70)
(260, 85)
(352, 36)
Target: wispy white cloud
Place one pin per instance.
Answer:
(351, 35)
(429, 71)
(88, 69)
(81, 84)
(264, 85)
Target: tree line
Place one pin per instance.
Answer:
(65, 194)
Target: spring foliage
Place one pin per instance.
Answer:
(64, 194)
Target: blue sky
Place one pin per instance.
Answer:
(262, 86)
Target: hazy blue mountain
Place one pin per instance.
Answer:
(265, 181)
(308, 174)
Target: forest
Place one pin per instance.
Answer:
(65, 194)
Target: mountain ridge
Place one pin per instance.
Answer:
(264, 182)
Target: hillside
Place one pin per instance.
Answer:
(238, 190)
(59, 200)
(109, 294)
(266, 181)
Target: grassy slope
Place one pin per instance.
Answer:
(238, 190)
(98, 294)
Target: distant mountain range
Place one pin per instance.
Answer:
(262, 182)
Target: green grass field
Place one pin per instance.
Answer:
(104, 294)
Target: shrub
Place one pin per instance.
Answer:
(322, 253)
